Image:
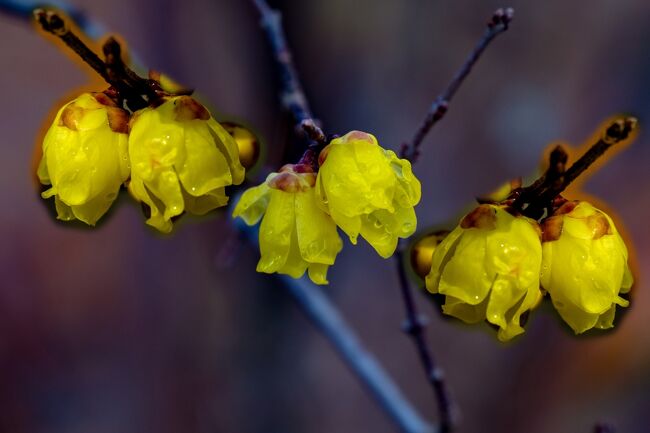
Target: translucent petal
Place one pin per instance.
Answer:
(377, 235)
(351, 226)
(253, 204)
(318, 273)
(318, 239)
(228, 147)
(204, 167)
(64, 212)
(276, 231)
(294, 266)
(205, 203)
(467, 313)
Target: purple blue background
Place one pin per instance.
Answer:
(121, 329)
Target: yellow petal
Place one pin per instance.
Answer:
(253, 204)
(318, 239)
(318, 273)
(276, 231)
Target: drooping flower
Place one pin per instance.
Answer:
(584, 266)
(85, 157)
(295, 235)
(368, 191)
(488, 269)
(181, 160)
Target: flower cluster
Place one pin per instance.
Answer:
(497, 265)
(173, 157)
(360, 187)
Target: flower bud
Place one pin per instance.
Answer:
(181, 160)
(488, 269)
(85, 157)
(368, 191)
(422, 252)
(247, 143)
(295, 235)
(584, 266)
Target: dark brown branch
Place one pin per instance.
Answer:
(114, 73)
(537, 198)
(292, 94)
(415, 327)
(498, 24)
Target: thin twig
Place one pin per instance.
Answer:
(535, 200)
(292, 94)
(414, 323)
(415, 326)
(496, 25)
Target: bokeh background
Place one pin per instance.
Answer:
(121, 329)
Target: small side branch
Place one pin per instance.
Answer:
(292, 94)
(496, 25)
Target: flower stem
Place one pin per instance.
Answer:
(537, 199)
(497, 24)
(130, 86)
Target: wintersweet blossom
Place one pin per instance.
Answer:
(295, 234)
(584, 266)
(488, 268)
(85, 157)
(368, 191)
(181, 160)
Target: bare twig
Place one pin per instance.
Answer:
(292, 94)
(415, 326)
(534, 200)
(496, 25)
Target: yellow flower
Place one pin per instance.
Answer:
(368, 191)
(295, 235)
(85, 158)
(181, 160)
(488, 268)
(584, 267)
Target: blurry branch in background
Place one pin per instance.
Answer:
(414, 324)
(324, 315)
(603, 427)
(292, 95)
(23, 9)
(496, 25)
(310, 297)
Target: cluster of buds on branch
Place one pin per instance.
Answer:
(507, 253)
(149, 135)
(152, 137)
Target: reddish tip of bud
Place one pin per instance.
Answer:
(187, 108)
(482, 217)
(359, 135)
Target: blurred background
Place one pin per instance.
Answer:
(121, 329)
